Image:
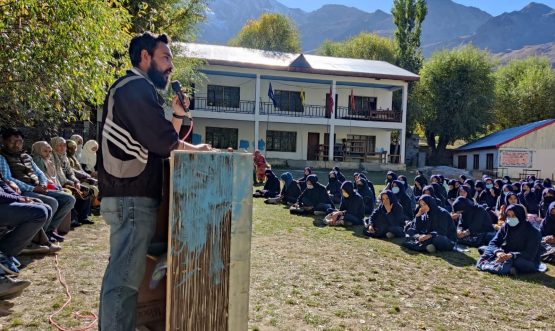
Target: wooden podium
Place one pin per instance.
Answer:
(209, 208)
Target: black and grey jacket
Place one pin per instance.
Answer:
(134, 139)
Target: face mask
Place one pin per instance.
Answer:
(345, 194)
(505, 181)
(512, 221)
(395, 190)
(309, 186)
(489, 186)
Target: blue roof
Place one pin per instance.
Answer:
(495, 140)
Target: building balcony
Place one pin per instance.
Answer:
(306, 111)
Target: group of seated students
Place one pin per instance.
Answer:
(39, 194)
(511, 224)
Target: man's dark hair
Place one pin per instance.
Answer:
(10, 132)
(147, 40)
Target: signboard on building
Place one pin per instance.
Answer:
(515, 158)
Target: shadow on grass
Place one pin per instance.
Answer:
(6, 307)
(538, 278)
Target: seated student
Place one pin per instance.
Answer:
(470, 183)
(547, 229)
(389, 178)
(82, 211)
(26, 216)
(419, 183)
(465, 191)
(474, 226)
(290, 191)
(462, 179)
(429, 190)
(507, 188)
(516, 245)
(547, 183)
(361, 186)
(271, 186)
(302, 180)
(19, 167)
(387, 220)
(538, 191)
(432, 229)
(452, 190)
(408, 190)
(79, 145)
(441, 190)
(334, 187)
(489, 195)
(351, 209)
(313, 200)
(548, 196)
(84, 177)
(340, 176)
(479, 188)
(398, 188)
(369, 182)
(88, 157)
(527, 198)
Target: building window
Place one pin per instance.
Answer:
(223, 96)
(281, 141)
(361, 145)
(476, 163)
(363, 105)
(489, 161)
(289, 101)
(462, 162)
(222, 137)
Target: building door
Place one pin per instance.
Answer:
(462, 162)
(313, 145)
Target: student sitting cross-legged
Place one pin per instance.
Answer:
(314, 199)
(351, 209)
(387, 220)
(271, 187)
(515, 247)
(432, 229)
(474, 223)
(290, 191)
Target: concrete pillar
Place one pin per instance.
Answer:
(402, 137)
(257, 113)
(331, 142)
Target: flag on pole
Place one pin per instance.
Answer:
(352, 101)
(302, 97)
(272, 96)
(330, 101)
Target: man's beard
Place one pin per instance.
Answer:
(157, 77)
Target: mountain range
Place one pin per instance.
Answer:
(517, 34)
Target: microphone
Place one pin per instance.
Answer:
(176, 87)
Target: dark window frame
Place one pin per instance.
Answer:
(465, 162)
(489, 161)
(289, 101)
(363, 105)
(476, 162)
(222, 137)
(223, 96)
(281, 141)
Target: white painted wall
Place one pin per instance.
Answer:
(470, 158)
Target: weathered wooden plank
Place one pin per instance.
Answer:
(210, 212)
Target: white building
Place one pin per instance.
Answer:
(232, 107)
(517, 152)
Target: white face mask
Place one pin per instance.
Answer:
(309, 186)
(395, 190)
(512, 221)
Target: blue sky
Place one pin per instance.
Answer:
(494, 7)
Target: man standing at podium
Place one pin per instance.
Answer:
(134, 139)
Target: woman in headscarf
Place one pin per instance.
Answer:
(388, 220)
(398, 188)
(419, 182)
(314, 199)
(408, 190)
(88, 157)
(432, 229)
(527, 198)
(452, 190)
(290, 190)
(538, 191)
(340, 176)
(334, 187)
(547, 229)
(465, 191)
(259, 166)
(79, 142)
(389, 178)
(86, 179)
(302, 181)
(470, 183)
(479, 188)
(351, 209)
(506, 189)
(441, 191)
(474, 226)
(361, 186)
(547, 183)
(82, 210)
(42, 156)
(489, 195)
(271, 187)
(515, 247)
(548, 196)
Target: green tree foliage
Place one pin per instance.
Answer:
(270, 32)
(367, 46)
(408, 16)
(525, 92)
(56, 58)
(176, 18)
(456, 96)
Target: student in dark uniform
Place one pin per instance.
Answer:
(387, 220)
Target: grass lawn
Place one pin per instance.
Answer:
(305, 277)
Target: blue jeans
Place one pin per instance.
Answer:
(26, 219)
(60, 203)
(132, 223)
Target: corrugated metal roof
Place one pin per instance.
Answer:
(254, 58)
(497, 139)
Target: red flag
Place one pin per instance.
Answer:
(330, 101)
(352, 101)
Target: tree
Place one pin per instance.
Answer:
(270, 32)
(177, 18)
(524, 92)
(56, 58)
(408, 16)
(456, 96)
(367, 46)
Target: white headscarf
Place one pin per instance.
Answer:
(79, 141)
(88, 156)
